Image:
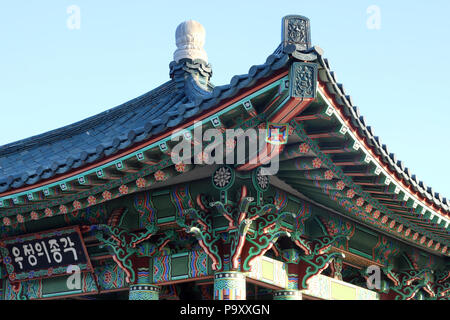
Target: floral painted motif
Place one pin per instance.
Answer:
(140, 183)
(48, 212)
(423, 239)
(384, 219)
(415, 236)
(106, 195)
(350, 193)
(222, 177)
(63, 209)
(123, 189)
(329, 174)
(340, 185)
(430, 243)
(180, 167)
(91, 200)
(360, 201)
(262, 181)
(304, 148)
(317, 163)
(437, 246)
(400, 228)
(407, 232)
(6, 221)
(392, 224)
(20, 218)
(160, 175)
(376, 214)
(76, 205)
(368, 208)
(34, 215)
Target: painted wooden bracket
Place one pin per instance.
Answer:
(199, 224)
(318, 259)
(123, 245)
(302, 91)
(406, 284)
(441, 285)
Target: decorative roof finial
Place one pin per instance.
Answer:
(190, 39)
(296, 31)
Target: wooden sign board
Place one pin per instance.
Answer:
(44, 254)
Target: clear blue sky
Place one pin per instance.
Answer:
(51, 76)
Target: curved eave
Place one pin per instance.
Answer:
(309, 167)
(222, 101)
(200, 107)
(372, 145)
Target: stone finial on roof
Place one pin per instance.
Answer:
(190, 39)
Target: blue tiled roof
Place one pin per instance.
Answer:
(28, 161)
(42, 156)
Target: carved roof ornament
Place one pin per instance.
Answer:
(303, 80)
(296, 30)
(190, 39)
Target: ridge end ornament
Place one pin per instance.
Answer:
(296, 31)
(303, 80)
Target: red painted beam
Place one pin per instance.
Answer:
(289, 110)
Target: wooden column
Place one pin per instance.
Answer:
(292, 292)
(143, 289)
(229, 285)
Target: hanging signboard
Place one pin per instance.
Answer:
(44, 254)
